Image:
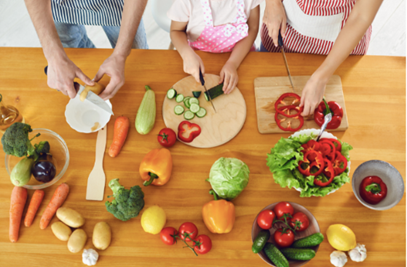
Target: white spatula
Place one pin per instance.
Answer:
(97, 178)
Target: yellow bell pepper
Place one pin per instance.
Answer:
(156, 167)
(218, 215)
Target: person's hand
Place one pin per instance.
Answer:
(312, 94)
(229, 77)
(275, 19)
(61, 74)
(113, 67)
(192, 64)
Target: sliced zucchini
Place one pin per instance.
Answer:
(214, 92)
(188, 115)
(171, 93)
(201, 113)
(193, 100)
(186, 101)
(179, 98)
(194, 108)
(179, 109)
(196, 93)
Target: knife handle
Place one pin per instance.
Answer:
(280, 39)
(201, 77)
(75, 84)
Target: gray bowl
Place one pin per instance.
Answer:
(390, 176)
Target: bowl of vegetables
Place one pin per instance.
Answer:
(311, 167)
(285, 234)
(44, 162)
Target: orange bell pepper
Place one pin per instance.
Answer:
(156, 167)
(218, 215)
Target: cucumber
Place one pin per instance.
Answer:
(193, 100)
(186, 102)
(196, 93)
(214, 92)
(201, 113)
(178, 110)
(188, 115)
(275, 255)
(145, 118)
(194, 108)
(171, 93)
(179, 98)
(309, 241)
(299, 254)
(260, 241)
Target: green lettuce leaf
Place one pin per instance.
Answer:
(284, 155)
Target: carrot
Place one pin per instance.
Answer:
(33, 207)
(17, 203)
(57, 200)
(121, 128)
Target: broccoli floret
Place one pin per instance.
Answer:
(15, 140)
(42, 147)
(127, 203)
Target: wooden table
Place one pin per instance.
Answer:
(375, 95)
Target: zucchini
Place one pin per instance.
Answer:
(201, 113)
(309, 241)
(178, 110)
(179, 98)
(196, 93)
(260, 241)
(188, 115)
(193, 100)
(186, 102)
(171, 93)
(194, 108)
(275, 255)
(298, 254)
(145, 118)
(214, 92)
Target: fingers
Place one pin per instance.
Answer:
(232, 84)
(111, 89)
(84, 78)
(70, 90)
(283, 27)
(222, 76)
(99, 75)
(226, 83)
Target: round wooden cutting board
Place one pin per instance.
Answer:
(216, 128)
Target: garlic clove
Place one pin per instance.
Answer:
(338, 258)
(358, 254)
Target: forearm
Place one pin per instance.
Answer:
(180, 42)
(132, 14)
(243, 47)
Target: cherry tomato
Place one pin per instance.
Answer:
(299, 221)
(189, 228)
(167, 234)
(203, 244)
(167, 137)
(282, 208)
(284, 237)
(265, 219)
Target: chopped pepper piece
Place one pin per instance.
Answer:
(337, 144)
(340, 163)
(328, 149)
(290, 124)
(188, 131)
(327, 176)
(218, 215)
(323, 109)
(373, 189)
(311, 167)
(156, 167)
(287, 99)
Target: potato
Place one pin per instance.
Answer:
(97, 89)
(77, 241)
(61, 231)
(70, 217)
(102, 235)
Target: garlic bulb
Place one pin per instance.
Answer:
(358, 254)
(338, 258)
(90, 257)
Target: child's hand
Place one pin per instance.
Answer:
(275, 19)
(192, 64)
(229, 77)
(312, 95)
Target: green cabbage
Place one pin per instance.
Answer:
(228, 177)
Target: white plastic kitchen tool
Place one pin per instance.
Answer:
(97, 178)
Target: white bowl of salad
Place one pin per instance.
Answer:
(313, 168)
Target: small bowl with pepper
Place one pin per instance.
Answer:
(378, 185)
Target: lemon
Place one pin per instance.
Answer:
(341, 237)
(153, 220)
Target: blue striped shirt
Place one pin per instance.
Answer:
(88, 12)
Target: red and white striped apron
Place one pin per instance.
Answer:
(314, 25)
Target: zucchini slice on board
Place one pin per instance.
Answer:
(178, 110)
(201, 113)
(194, 108)
(193, 100)
(188, 115)
(171, 93)
(196, 93)
(179, 98)
(214, 92)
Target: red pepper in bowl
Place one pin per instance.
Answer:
(188, 131)
(373, 190)
(339, 164)
(328, 149)
(323, 109)
(328, 177)
(312, 160)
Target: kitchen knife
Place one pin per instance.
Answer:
(206, 90)
(91, 97)
(281, 44)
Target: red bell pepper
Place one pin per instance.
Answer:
(307, 166)
(323, 109)
(337, 144)
(311, 145)
(328, 177)
(286, 123)
(340, 163)
(187, 131)
(328, 149)
(287, 99)
(372, 189)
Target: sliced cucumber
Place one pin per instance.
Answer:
(171, 93)
(179, 109)
(188, 115)
(186, 101)
(179, 98)
(193, 100)
(194, 108)
(214, 92)
(201, 113)
(196, 93)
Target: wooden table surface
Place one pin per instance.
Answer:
(375, 95)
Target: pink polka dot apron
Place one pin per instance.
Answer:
(221, 38)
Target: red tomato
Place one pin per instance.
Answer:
(282, 208)
(189, 228)
(284, 238)
(299, 221)
(265, 219)
(203, 244)
(167, 137)
(167, 234)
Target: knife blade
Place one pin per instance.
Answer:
(201, 78)
(281, 44)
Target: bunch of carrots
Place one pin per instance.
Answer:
(17, 203)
